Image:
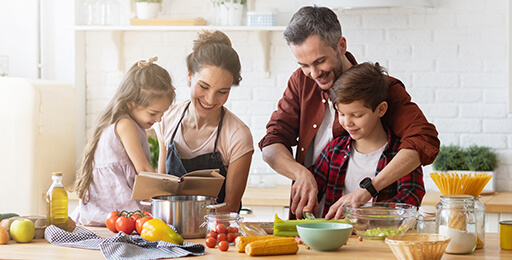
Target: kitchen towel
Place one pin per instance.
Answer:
(121, 246)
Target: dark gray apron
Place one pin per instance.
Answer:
(177, 166)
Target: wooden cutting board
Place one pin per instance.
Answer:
(169, 22)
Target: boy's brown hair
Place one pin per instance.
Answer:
(366, 82)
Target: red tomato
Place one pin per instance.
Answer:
(231, 237)
(221, 228)
(112, 218)
(212, 234)
(140, 222)
(223, 246)
(231, 229)
(211, 242)
(125, 224)
(221, 237)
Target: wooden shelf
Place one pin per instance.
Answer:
(178, 28)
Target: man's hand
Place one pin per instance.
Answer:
(336, 210)
(304, 194)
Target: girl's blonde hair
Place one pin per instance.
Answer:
(142, 85)
(214, 49)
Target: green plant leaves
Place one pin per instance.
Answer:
(473, 158)
(153, 151)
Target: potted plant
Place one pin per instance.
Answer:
(228, 12)
(147, 9)
(473, 159)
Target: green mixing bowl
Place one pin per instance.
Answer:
(324, 236)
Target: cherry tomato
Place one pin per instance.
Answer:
(112, 218)
(211, 242)
(231, 229)
(223, 246)
(221, 237)
(125, 224)
(212, 234)
(140, 222)
(221, 228)
(231, 237)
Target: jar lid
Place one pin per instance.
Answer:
(506, 222)
(56, 173)
(427, 211)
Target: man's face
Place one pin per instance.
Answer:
(319, 61)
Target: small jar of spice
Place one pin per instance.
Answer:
(426, 220)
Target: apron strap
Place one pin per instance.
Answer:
(179, 122)
(219, 127)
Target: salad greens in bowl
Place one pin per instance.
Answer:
(378, 220)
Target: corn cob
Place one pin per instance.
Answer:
(280, 246)
(241, 242)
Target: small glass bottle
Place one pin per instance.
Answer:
(57, 202)
(480, 223)
(426, 220)
(223, 226)
(456, 219)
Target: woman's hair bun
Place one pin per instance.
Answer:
(207, 37)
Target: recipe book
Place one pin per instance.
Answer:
(201, 182)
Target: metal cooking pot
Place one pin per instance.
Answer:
(185, 213)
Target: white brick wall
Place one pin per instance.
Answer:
(452, 59)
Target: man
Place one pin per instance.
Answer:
(305, 117)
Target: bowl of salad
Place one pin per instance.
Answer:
(378, 220)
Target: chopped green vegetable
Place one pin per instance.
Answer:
(378, 232)
(288, 228)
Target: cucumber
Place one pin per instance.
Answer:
(8, 215)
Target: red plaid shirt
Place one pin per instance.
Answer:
(331, 166)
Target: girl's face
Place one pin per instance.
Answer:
(147, 116)
(209, 90)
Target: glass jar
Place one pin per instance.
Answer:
(223, 226)
(426, 220)
(456, 219)
(480, 223)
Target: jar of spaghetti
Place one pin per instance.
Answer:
(480, 223)
(456, 219)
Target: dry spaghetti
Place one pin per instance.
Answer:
(457, 184)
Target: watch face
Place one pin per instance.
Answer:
(364, 183)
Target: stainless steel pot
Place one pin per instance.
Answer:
(185, 213)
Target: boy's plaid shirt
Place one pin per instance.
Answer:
(330, 169)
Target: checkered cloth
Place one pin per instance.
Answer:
(121, 246)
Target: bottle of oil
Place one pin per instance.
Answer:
(56, 202)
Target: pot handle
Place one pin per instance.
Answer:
(146, 203)
(216, 206)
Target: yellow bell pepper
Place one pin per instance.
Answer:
(156, 229)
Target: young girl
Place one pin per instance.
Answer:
(118, 149)
(201, 133)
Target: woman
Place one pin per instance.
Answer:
(201, 133)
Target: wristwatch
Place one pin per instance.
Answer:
(366, 183)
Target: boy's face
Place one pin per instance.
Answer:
(360, 121)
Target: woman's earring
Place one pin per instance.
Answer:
(188, 82)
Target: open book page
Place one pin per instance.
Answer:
(201, 182)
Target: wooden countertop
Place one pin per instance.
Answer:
(354, 249)
(279, 196)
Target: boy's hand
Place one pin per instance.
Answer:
(336, 210)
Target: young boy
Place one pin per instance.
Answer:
(349, 163)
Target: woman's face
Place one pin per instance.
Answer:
(209, 89)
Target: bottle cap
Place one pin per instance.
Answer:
(56, 173)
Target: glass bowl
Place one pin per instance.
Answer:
(378, 220)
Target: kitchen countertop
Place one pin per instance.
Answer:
(354, 249)
(497, 202)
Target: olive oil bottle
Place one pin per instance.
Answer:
(57, 202)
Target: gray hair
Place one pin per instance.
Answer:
(313, 20)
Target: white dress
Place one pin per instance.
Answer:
(113, 179)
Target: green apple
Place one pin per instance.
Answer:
(22, 230)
